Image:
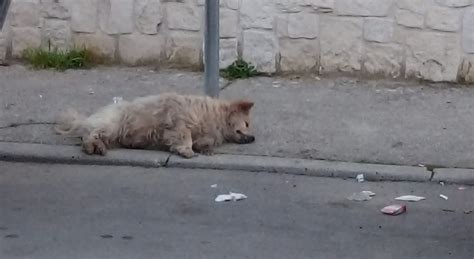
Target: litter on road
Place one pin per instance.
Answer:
(394, 210)
(443, 196)
(461, 188)
(412, 198)
(117, 99)
(214, 186)
(369, 193)
(230, 197)
(361, 196)
(360, 178)
(448, 210)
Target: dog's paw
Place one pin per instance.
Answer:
(187, 153)
(94, 147)
(207, 152)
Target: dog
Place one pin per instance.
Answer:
(182, 124)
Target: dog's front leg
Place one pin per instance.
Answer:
(180, 141)
(204, 145)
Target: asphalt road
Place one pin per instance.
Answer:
(64, 211)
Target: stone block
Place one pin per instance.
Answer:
(184, 49)
(416, 6)
(383, 59)
(59, 9)
(409, 19)
(468, 31)
(323, 5)
(148, 16)
(455, 3)
(100, 44)
(281, 25)
(141, 49)
(378, 29)
(257, 14)
(181, 16)
(466, 72)
(303, 25)
(288, 6)
(227, 52)
(229, 23)
(57, 34)
(432, 56)
(443, 18)
(84, 15)
(24, 14)
(260, 48)
(232, 4)
(116, 16)
(341, 44)
(24, 38)
(363, 7)
(299, 55)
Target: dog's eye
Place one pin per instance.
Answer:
(246, 124)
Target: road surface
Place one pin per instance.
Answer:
(68, 211)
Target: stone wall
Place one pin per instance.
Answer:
(427, 39)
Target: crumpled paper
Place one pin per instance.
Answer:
(410, 198)
(232, 196)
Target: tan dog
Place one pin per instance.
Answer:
(177, 123)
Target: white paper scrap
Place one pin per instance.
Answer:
(230, 197)
(410, 198)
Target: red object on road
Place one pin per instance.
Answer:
(394, 210)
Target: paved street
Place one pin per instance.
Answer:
(65, 211)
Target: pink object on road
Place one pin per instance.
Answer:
(394, 210)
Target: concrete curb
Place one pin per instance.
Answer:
(454, 175)
(320, 168)
(41, 153)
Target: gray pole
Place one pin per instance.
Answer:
(211, 48)
(3, 11)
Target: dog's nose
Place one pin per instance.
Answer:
(251, 139)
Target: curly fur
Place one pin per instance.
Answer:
(178, 123)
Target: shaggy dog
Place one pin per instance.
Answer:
(181, 124)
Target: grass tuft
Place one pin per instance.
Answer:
(74, 58)
(239, 69)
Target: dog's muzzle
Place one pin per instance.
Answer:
(246, 139)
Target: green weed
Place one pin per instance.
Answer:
(239, 69)
(74, 58)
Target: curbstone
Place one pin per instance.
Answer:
(320, 168)
(42, 153)
(454, 175)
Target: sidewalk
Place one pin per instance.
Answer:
(343, 119)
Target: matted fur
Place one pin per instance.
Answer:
(179, 123)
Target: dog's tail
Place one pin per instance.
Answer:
(70, 123)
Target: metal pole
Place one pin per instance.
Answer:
(4, 4)
(211, 48)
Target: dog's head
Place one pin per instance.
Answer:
(238, 123)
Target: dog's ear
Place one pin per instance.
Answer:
(242, 106)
